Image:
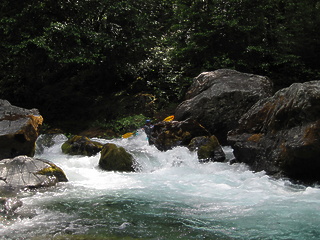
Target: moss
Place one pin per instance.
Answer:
(66, 148)
(255, 137)
(114, 158)
(206, 151)
(53, 170)
(79, 145)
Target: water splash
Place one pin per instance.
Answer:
(172, 197)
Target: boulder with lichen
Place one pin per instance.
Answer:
(24, 172)
(19, 129)
(281, 134)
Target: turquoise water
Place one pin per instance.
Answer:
(172, 197)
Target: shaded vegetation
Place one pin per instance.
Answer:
(105, 60)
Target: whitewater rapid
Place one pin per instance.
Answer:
(173, 196)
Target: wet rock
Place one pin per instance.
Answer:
(79, 145)
(167, 135)
(9, 205)
(48, 140)
(114, 158)
(19, 129)
(25, 172)
(208, 149)
(281, 134)
(218, 99)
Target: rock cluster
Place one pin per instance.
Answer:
(19, 130)
(167, 135)
(281, 134)
(188, 133)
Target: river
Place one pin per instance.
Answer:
(172, 197)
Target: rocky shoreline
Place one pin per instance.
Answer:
(276, 133)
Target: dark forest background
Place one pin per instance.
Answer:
(99, 60)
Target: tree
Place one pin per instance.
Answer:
(82, 50)
(274, 38)
(74, 58)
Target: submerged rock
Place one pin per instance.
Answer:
(281, 134)
(218, 99)
(48, 140)
(167, 135)
(9, 205)
(208, 149)
(79, 145)
(114, 158)
(25, 172)
(19, 129)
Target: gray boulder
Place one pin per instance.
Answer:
(281, 134)
(218, 99)
(24, 172)
(45, 141)
(19, 129)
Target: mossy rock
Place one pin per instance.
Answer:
(53, 170)
(208, 149)
(79, 145)
(114, 158)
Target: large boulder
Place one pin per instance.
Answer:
(25, 172)
(19, 129)
(218, 99)
(79, 145)
(281, 134)
(167, 135)
(114, 158)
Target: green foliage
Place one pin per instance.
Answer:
(264, 37)
(81, 50)
(68, 58)
(123, 125)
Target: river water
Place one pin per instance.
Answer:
(172, 197)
